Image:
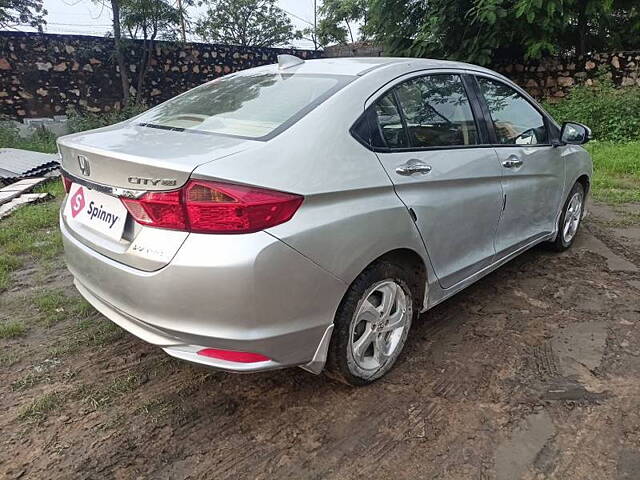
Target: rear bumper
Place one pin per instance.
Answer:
(248, 293)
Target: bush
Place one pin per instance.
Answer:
(89, 121)
(43, 140)
(40, 141)
(612, 113)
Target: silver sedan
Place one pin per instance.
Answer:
(305, 213)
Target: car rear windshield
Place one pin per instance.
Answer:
(245, 105)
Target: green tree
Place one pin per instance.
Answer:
(22, 12)
(479, 30)
(118, 48)
(340, 19)
(144, 20)
(148, 20)
(258, 23)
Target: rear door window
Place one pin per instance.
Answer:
(437, 111)
(391, 132)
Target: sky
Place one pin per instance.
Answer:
(88, 17)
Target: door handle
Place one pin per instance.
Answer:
(512, 163)
(413, 166)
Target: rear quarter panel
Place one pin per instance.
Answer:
(351, 214)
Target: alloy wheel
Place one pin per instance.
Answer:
(379, 324)
(572, 217)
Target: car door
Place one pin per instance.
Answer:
(430, 144)
(532, 168)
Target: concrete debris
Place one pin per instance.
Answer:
(8, 208)
(15, 195)
(14, 190)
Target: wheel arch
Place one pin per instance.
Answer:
(585, 181)
(411, 260)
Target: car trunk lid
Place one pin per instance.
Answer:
(128, 160)
(141, 157)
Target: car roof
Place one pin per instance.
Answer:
(362, 65)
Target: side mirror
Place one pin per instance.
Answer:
(574, 134)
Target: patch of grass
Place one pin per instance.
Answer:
(8, 263)
(55, 306)
(26, 382)
(12, 329)
(30, 231)
(89, 332)
(616, 171)
(53, 187)
(63, 349)
(156, 409)
(99, 396)
(101, 333)
(629, 218)
(8, 359)
(612, 113)
(40, 408)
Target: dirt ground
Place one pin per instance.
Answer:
(532, 373)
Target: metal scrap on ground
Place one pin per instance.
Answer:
(16, 163)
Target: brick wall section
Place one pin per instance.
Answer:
(43, 75)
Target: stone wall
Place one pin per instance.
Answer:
(549, 78)
(552, 78)
(358, 49)
(44, 75)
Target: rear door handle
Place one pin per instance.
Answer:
(512, 163)
(413, 166)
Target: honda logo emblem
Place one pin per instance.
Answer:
(85, 168)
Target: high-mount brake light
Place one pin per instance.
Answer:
(214, 207)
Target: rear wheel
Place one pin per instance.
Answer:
(570, 219)
(372, 324)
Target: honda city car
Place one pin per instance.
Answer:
(305, 213)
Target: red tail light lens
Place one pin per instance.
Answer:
(214, 207)
(158, 209)
(232, 356)
(66, 183)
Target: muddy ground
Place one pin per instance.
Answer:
(532, 373)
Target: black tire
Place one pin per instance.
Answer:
(560, 244)
(341, 363)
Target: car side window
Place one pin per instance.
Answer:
(389, 124)
(515, 120)
(437, 111)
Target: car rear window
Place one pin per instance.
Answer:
(245, 105)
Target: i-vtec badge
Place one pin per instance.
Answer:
(165, 182)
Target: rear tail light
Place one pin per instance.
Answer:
(66, 183)
(233, 356)
(214, 207)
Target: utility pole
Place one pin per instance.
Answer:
(184, 31)
(315, 24)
